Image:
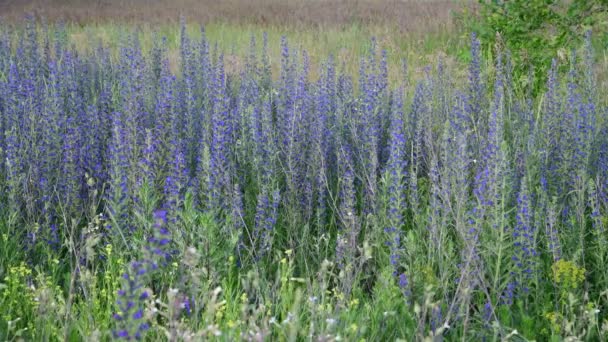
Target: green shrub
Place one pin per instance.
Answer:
(536, 31)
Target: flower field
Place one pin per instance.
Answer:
(259, 202)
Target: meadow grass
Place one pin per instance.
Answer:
(168, 190)
(417, 31)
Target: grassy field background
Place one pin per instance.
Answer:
(407, 16)
(193, 190)
(419, 32)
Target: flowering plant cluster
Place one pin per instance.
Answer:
(457, 207)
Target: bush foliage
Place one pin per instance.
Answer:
(537, 31)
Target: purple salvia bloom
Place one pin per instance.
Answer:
(292, 111)
(418, 121)
(175, 182)
(305, 119)
(396, 182)
(470, 266)
(132, 295)
(117, 200)
(404, 285)
(265, 220)
(190, 120)
(139, 314)
(368, 131)
(582, 117)
(416, 150)
(206, 92)
(165, 99)
(287, 87)
(455, 166)
(31, 45)
(321, 136)
(165, 129)
(476, 91)
(130, 304)
(383, 74)
(436, 318)
(509, 294)
(219, 173)
(435, 208)
(551, 233)
(552, 133)
(158, 245)
(132, 97)
(248, 111)
(177, 178)
(524, 241)
(266, 144)
(259, 234)
(4, 93)
(15, 101)
(147, 162)
(272, 218)
(266, 70)
(349, 223)
(14, 170)
(238, 211)
(155, 62)
(488, 311)
(455, 171)
(70, 178)
(490, 172)
(50, 146)
(121, 334)
(93, 146)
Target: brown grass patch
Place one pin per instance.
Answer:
(408, 16)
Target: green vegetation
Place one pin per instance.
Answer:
(322, 175)
(538, 31)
